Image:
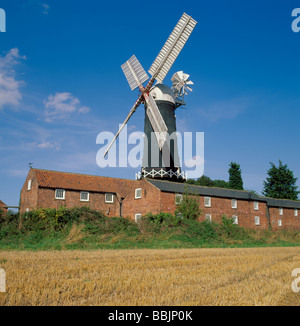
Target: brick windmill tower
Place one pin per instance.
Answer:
(160, 157)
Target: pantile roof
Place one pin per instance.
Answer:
(83, 182)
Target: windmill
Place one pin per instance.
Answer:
(160, 155)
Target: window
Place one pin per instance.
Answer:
(109, 198)
(138, 217)
(29, 185)
(279, 222)
(59, 194)
(233, 203)
(179, 215)
(280, 211)
(178, 199)
(138, 193)
(295, 212)
(235, 219)
(255, 205)
(208, 217)
(256, 220)
(207, 201)
(84, 196)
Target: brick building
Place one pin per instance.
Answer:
(134, 198)
(3, 207)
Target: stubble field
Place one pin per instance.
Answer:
(235, 276)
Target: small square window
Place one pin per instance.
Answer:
(256, 206)
(208, 217)
(280, 211)
(235, 219)
(109, 198)
(207, 201)
(29, 185)
(178, 199)
(295, 212)
(84, 196)
(138, 216)
(257, 220)
(138, 193)
(233, 203)
(60, 194)
(279, 222)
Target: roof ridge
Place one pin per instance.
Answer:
(209, 187)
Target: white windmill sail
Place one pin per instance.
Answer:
(134, 72)
(157, 122)
(172, 47)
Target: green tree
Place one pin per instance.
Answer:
(189, 206)
(191, 181)
(204, 181)
(221, 183)
(281, 183)
(208, 182)
(235, 176)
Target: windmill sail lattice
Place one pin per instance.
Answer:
(172, 47)
(134, 73)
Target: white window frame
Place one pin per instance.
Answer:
(233, 203)
(112, 198)
(279, 222)
(63, 193)
(256, 205)
(296, 212)
(235, 219)
(280, 211)
(209, 201)
(88, 196)
(178, 199)
(137, 217)
(136, 196)
(29, 184)
(256, 220)
(208, 217)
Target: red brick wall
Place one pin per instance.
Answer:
(288, 219)
(46, 199)
(222, 206)
(150, 201)
(29, 198)
(3, 207)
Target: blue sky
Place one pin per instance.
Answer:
(61, 83)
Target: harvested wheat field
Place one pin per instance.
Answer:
(235, 276)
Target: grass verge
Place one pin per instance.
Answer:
(83, 228)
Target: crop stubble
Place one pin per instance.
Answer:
(235, 276)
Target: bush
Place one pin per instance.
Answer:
(8, 223)
(230, 230)
(189, 206)
(158, 222)
(85, 214)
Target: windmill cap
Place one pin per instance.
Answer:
(161, 92)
